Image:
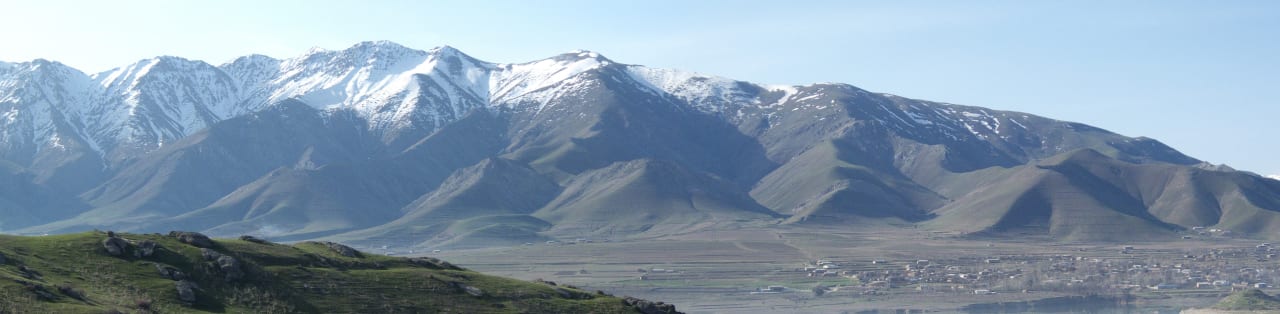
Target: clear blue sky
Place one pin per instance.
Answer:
(1202, 76)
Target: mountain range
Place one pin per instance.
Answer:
(382, 144)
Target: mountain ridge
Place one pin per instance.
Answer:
(345, 143)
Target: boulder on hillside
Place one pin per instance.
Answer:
(210, 254)
(2, 259)
(115, 246)
(572, 294)
(229, 266)
(170, 272)
(253, 239)
(186, 291)
(650, 307)
(473, 291)
(433, 263)
(146, 248)
(341, 249)
(193, 238)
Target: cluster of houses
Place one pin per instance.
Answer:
(771, 290)
(824, 268)
(1206, 231)
(568, 242)
(1133, 269)
(928, 275)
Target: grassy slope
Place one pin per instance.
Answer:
(1248, 300)
(306, 277)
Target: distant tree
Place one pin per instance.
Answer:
(819, 290)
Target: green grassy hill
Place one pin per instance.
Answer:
(1249, 300)
(77, 273)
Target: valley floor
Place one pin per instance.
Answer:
(889, 269)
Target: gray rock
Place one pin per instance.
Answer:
(650, 307)
(193, 238)
(170, 272)
(473, 290)
(2, 259)
(465, 288)
(433, 263)
(231, 267)
(564, 293)
(209, 254)
(342, 249)
(115, 246)
(253, 239)
(146, 248)
(186, 291)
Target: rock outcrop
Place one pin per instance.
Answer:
(115, 246)
(229, 266)
(650, 307)
(341, 249)
(253, 239)
(433, 263)
(193, 238)
(170, 272)
(186, 291)
(146, 248)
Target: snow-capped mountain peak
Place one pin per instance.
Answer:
(392, 87)
(516, 83)
(361, 77)
(1274, 177)
(708, 93)
(41, 103)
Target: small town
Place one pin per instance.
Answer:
(1113, 271)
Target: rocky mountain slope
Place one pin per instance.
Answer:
(382, 144)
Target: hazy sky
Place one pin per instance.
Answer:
(1201, 76)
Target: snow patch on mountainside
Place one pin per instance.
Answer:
(348, 78)
(706, 93)
(163, 99)
(389, 84)
(39, 100)
(516, 80)
(1274, 177)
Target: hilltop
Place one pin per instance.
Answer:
(96, 272)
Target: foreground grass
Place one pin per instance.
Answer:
(75, 274)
